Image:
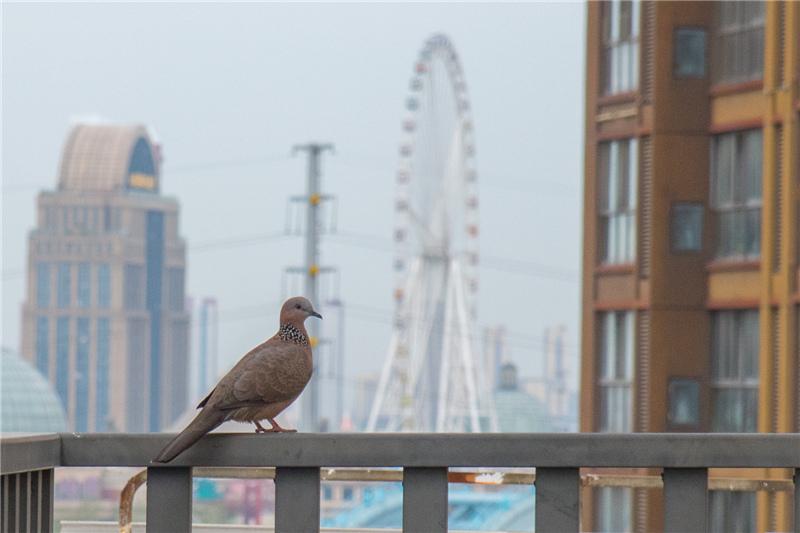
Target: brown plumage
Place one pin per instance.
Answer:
(262, 384)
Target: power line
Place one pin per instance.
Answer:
(235, 242)
(516, 339)
(210, 165)
(555, 188)
(506, 264)
(203, 246)
(181, 169)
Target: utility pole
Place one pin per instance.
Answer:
(311, 270)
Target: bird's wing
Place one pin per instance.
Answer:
(270, 373)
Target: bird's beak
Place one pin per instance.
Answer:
(314, 313)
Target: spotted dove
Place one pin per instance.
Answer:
(262, 384)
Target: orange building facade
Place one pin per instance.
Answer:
(690, 269)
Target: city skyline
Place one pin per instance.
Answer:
(556, 246)
(245, 155)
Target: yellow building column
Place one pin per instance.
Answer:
(785, 278)
(765, 310)
(778, 334)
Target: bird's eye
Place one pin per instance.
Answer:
(297, 306)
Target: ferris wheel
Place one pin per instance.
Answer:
(431, 380)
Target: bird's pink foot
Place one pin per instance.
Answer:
(278, 429)
(274, 429)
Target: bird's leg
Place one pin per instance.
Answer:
(259, 427)
(277, 428)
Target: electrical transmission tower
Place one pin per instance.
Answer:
(312, 229)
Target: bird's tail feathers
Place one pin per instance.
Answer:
(205, 421)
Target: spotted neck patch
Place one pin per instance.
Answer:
(289, 333)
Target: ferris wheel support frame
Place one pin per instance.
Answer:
(430, 380)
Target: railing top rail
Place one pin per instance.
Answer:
(20, 453)
(633, 450)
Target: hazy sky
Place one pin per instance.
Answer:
(229, 88)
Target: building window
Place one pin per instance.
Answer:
(327, 493)
(734, 371)
(142, 168)
(175, 288)
(134, 287)
(684, 402)
(620, 70)
(614, 510)
(618, 165)
(94, 219)
(736, 194)
(154, 254)
(103, 286)
(64, 287)
(137, 394)
(738, 41)
(49, 217)
(347, 494)
(732, 511)
(82, 376)
(84, 285)
(43, 345)
(103, 350)
(689, 60)
(62, 361)
(616, 371)
(687, 227)
(43, 284)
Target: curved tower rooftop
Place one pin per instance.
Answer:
(109, 157)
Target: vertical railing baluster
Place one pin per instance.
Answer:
(5, 480)
(425, 500)
(48, 495)
(557, 500)
(12, 519)
(296, 499)
(685, 500)
(35, 505)
(169, 500)
(797, 500)
(24, 522)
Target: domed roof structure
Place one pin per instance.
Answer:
(107, 157)
(518, 411)
(27, 402)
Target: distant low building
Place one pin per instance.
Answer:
(364, 395)
(28, 403)
(104, 318)
(518, 411)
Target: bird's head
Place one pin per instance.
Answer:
(296, 310)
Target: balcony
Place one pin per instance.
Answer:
(27, 463)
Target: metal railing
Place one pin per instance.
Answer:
(26, 465)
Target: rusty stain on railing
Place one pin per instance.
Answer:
(465, 477)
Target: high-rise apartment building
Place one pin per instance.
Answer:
(690, 268)
(104, 317)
